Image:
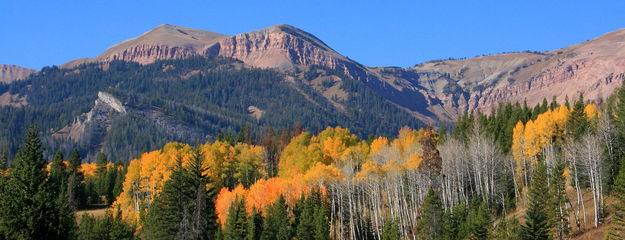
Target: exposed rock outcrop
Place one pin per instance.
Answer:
(90, 128)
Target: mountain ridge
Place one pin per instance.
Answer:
(432, 91)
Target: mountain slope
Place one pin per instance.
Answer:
(594, 68)
(125, 108)
(432, 91)
(10, 73)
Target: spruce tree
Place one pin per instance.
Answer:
(276, 226)
(3, 161)
(321, 223)
(305, 228)
(254, 226)
(558, 200)
(577, 124)
(390, 230)
(429, 224)
(118, 185)
(102, 186)
(236, 224)
(453, 221)
(479, 221)
(182, 208)
(31, 206)
(617, 230)
(58, 172)
(507, 229)
(537, 225)
(75, 184)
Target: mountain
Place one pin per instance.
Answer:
(182, 84)
(594, 68)
(124, 108)
(10, 73)
(432, 92)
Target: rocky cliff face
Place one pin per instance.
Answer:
(90, 128)
(432, 91)
(10, 73)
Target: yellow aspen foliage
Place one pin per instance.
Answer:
(322, 173)
(378, 144)
(330, 146)
(299, 155)
(591, 111)
(413, 161)
(145, 178)
(147, 174)
(369, 170)
(518, 147)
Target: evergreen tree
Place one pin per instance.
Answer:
(558, 200)
(479, 221)
(118, 185)
(75, 184)
(3, 161)
(254, 226)
(58, 172)
(109, 182)
(305, 228)
(102, 185)
(453, 222)
(577, 124)
(31, 206)
(321, 223)
(390, 231)
(276, 225)
(617, 230)
(507, 229)
(106, 227)
(537, 216)
(429, 224)
(182, 208)
(236, 223)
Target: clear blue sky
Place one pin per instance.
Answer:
(376, 33)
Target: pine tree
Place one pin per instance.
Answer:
(429, 224)
(276, 226)
(390, 230)
(31, 206)
(254, 226)
(537, 217)
(617, 230)
(236, 224)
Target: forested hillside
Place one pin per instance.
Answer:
(553, 171)
(190, 100)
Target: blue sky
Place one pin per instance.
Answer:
(376, 33)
